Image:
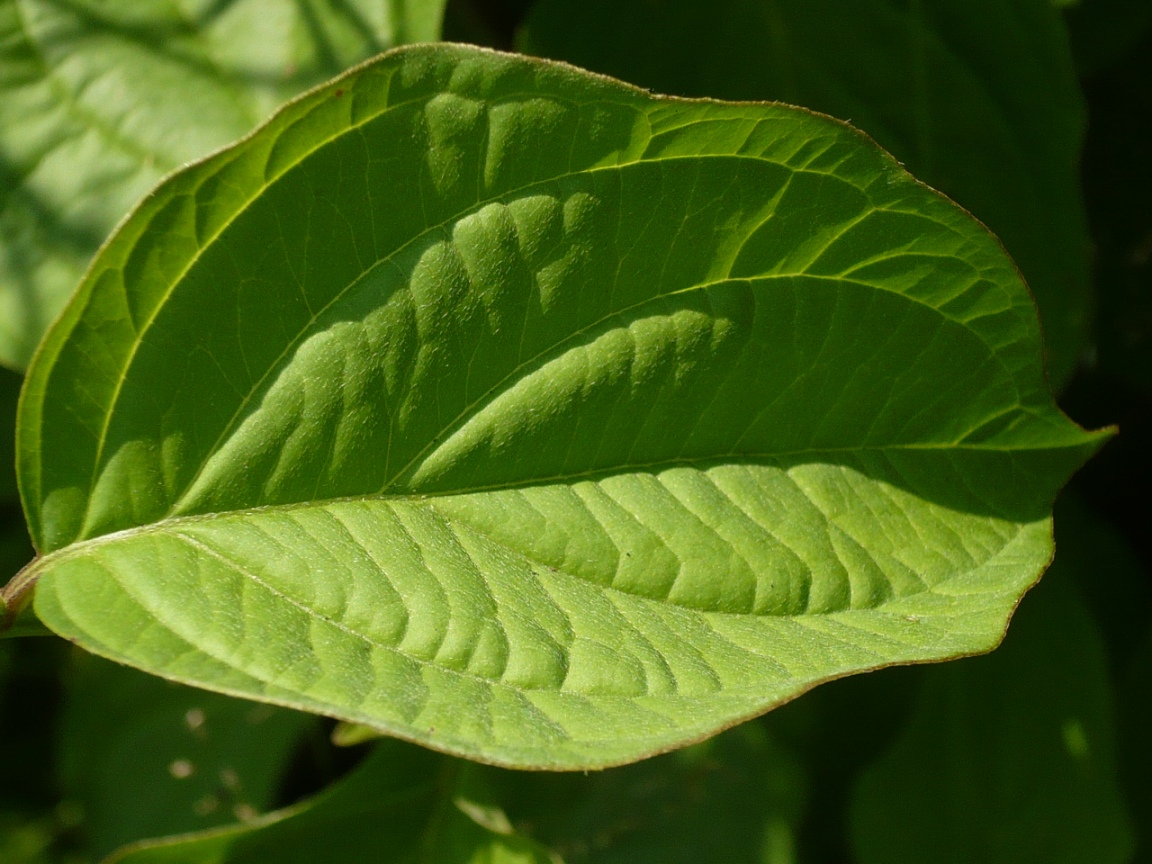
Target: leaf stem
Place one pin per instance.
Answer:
(17, 593)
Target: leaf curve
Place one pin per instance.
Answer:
(518, 412)
(98, 101)
(978, 99)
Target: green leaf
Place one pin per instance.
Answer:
(736, 798)
(979, 99)
(195, 759)
(519, 412)
(402, 805)
(1008, 758)
(9, 394)
(98, 100)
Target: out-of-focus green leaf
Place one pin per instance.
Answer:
(403, 805)
(977, 98)
(145, 757)
(9, 395)
(835, 732)
(100, 99)
(736, 798)
(515, 411)
(25, 841)
(1009, 758)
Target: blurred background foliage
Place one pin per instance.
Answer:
(1035, 115)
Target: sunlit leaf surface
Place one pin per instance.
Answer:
(978, 99)
(521, 413)
(99, 100)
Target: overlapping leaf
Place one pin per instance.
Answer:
(979, 99)
(401, 805)
(196, 759)
(522, 413)
(736, 798)
(98, 100)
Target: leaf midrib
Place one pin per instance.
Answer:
(171, 521)
(469, 411)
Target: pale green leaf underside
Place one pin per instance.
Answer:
(527, 415)
(98, 101)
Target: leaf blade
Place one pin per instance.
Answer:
(654, 372)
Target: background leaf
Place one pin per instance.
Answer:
(642, 417)
(9, 394)
(979, 99)
(401, 805)
(196, 759)
(736, 798)
(98, 100)
(1009, 758)
(33, 822)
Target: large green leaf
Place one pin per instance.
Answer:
(977, 98)
(1009, 758)
(146, 757)
(402, 805)
(98, 100)
(519, 412)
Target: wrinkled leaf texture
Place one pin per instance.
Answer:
(515, 411)
(979, 99)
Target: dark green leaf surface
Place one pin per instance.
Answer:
(402, 806)
(530, 416)
(978, 98)
(98, 100)
(195, 759)
(9, 394)
(1010, 758)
